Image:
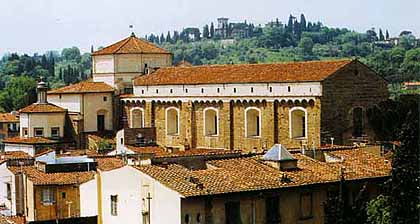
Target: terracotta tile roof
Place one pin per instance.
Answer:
(249, 174)
(8, 117)
(109, 163)
(183, 63)
(360, 164)
(243, 73)
(12, 220)
(40, 178)
(84, 87)
(159, 152)
(79, 152)
(14, 155)
(29, 140)
(42, 108)
(131, 45)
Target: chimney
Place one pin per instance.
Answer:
(41, 90)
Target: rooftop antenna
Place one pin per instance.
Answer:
(131, 28)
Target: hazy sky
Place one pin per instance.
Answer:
(28, 26)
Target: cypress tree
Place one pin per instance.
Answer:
(168, 37)
(289, 27)
(162, 39)
(381, 35)
(302, 22)
(206, 31)
(212, 30)
(387, 35)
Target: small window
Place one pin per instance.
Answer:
(198, 218)
(171, 91)
(59, 96)
(142, 91)
(114, 205)
(187, 219)
(55, 132)
(39, 132)
(202, 90)
(252, 89)
(271, 89)
(157, 90)
(122, 141)
(218, 90)
(306, 206)
(25, 132)
(289, 89)
(47, 196)
(186, 90)
(63, 195)
(9, 191)
(234, 90)
(105, 98)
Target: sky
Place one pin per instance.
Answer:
(35, 26)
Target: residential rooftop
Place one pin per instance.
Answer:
(42, 108)
(84, 87)
(30, 140)
(243, 73)
(8, 118)
(251, 173)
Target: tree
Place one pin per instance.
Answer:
(289, 27)
(306, 45)
(302, 22)
(168, 37)
(381, 35)
(19, 92)
(212, 30)
(405, 171)
(71, 54)
(379, 210)
(206, 31)
(386, 35)
(162, 39)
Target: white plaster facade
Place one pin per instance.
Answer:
(29, 149)
(89, 198)
(47, 121)
(7, 178)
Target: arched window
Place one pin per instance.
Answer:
(137, 117)
(211, 121)
(357, 122)
(252, 122)
(172, 121)
(298, 122)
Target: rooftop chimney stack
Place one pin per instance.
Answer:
(41, 90)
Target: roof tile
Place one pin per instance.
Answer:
(42, 108)
(84, 87)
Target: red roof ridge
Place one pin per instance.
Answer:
(83, 87)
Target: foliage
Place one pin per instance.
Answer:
(19, 92)
(379, 210)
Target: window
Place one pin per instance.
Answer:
(9, 191)
(59, 96)
(252, 122)
(233, 212)
(39, 132)
(202, 90)
(271, 89)
(142, 91)
(137, 118)
(47, 196)
(198, 218)
(218, 90)
(272, 210)
(234, 90)
(298, 122)
(12, 127)
(211, 121)
(105, 99)
(63, 195)
(171, 90)
(289, 89)
(157, 90)
(306, 205)
(172, 121)
(25, 132)
(114, 205)
(186, 90)
(55, 132)
(187, 219)
(357, 122)
(252, 89)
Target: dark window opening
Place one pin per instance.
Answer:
(272, 210)
(218, 90)
(202, 90)
(234, 90)
(100, 119)
(289, 89)
(105, 98)
(271, 89)
(357, 122)
(233, 212)
(252, 89)
(306, 205)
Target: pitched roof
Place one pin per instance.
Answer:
(159, 152)
(131, 45)
(8, 117)
(243, 73)
(42, 108)
(84, 87)
(109, 163)
(29, 140)
(40, 178)
(251, 173)
(14, 155)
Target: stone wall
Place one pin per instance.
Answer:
(231, 131)
(355, 85)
